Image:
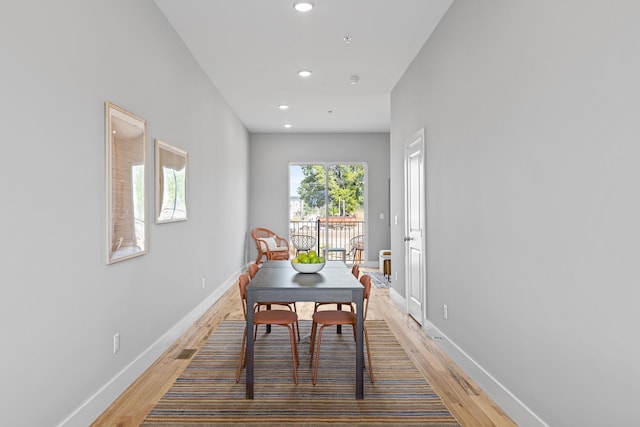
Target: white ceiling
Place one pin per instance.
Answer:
(252, 50)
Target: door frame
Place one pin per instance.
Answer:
(418, 136)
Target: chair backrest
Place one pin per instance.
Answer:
(262, 233)
(355, 270)
(303, 242)
(253, 269)
(243, 281)
(365, 280)
(357, 242)
(259, 234)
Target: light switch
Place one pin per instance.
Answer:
(381, 216)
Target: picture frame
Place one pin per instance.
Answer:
(126, 184)
(171, 164)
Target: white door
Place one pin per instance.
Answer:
(415, 286)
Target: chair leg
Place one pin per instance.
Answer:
(294, 352)
(315, 371)
(366, 340)
(295, 310)
(242, 358)
(314, 326)
(296, 348)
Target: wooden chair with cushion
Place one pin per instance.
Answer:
(326, 318)
(270, 245)
(286, 318)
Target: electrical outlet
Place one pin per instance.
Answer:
(445, 312)
(116, 343)
(396, 276)
(203, 283)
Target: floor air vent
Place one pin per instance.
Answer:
(187, 353)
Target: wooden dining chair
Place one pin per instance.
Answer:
(355, 270)
(253, 269)
(284, 318)
(326, 318)
(291, 305)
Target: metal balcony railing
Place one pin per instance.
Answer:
(338, 234)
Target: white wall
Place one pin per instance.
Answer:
(270, 155)
(60, 305)
(531, 117)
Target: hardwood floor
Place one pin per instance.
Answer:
(470, 405)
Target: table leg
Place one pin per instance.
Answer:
(268, 326)
(359, 344)
(249, 348)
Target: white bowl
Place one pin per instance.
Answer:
(307, 268)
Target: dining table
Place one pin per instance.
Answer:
(278, 281)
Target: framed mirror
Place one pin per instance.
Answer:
(126, 148)
(171, 183)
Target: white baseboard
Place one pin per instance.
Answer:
(398, 299)
(507, 401)
(100, 401)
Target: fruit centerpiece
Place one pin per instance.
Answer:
(308, 262)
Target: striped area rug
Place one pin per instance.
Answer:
(207, 394)
(379, 279)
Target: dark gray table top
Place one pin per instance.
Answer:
(287, 264)
(271, 276)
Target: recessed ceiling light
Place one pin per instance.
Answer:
(303, 6)
(288, 125)
(283, 106)
(304, 73)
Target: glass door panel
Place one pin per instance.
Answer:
(326, 203)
